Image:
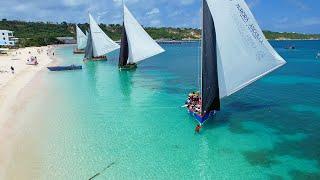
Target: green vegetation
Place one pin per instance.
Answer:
(40, 33)
(37, 33)
(285, 35)
(115, 30)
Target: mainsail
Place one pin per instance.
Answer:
(136, 44)
(88, 53)
(81, 38)
(124, 49)
(242, 53)
(209, 71)
(101, 43)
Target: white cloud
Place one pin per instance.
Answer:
(253, 3)
(300, 4)
(186, 2)
(21, 7)
(72, 3)
(117, 2)
(153, 11)
(175, 13)
(311, 21)
(155, 22)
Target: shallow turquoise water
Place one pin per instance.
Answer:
(133, 122)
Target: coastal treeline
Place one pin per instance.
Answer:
(37, 33)
(165, 33)
(45, 33)
(289, 35)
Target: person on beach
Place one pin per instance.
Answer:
(12, 69)
(198, 128)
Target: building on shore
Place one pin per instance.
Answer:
(7, 38)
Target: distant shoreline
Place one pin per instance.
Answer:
(28, 33)
(196, 40)
(293, 39)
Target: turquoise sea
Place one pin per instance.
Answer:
(130, 125)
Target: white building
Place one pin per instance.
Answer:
(6, 38)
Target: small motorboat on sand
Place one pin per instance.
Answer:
(78, 51)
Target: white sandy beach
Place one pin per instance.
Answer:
(11, 86)
(12, 83)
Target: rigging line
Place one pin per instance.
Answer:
(201, 51)
(198, 65)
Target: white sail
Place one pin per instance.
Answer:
(141, 45)
(81, 38)
(102, 44)
(244, 54)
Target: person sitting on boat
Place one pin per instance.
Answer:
(197, 108)
(193, 102)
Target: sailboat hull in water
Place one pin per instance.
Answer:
(101, 58)
(136, 44)
(128, 67)
(78, 51)
(193, 105)
(201, 119)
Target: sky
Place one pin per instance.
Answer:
(301, 16)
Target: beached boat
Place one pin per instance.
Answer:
(81, 41)
(65, 68)
(234, 54)
(98, 43)
(136, 44)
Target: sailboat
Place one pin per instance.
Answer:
(81, 41)
(234, 54)
(98, 43)
(136, 44)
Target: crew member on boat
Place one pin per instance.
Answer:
(194, 102)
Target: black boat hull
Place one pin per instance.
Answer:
(78, 51)
(101, 58)
(64, 68)
(128, 67)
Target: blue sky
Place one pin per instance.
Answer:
(275, 15)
